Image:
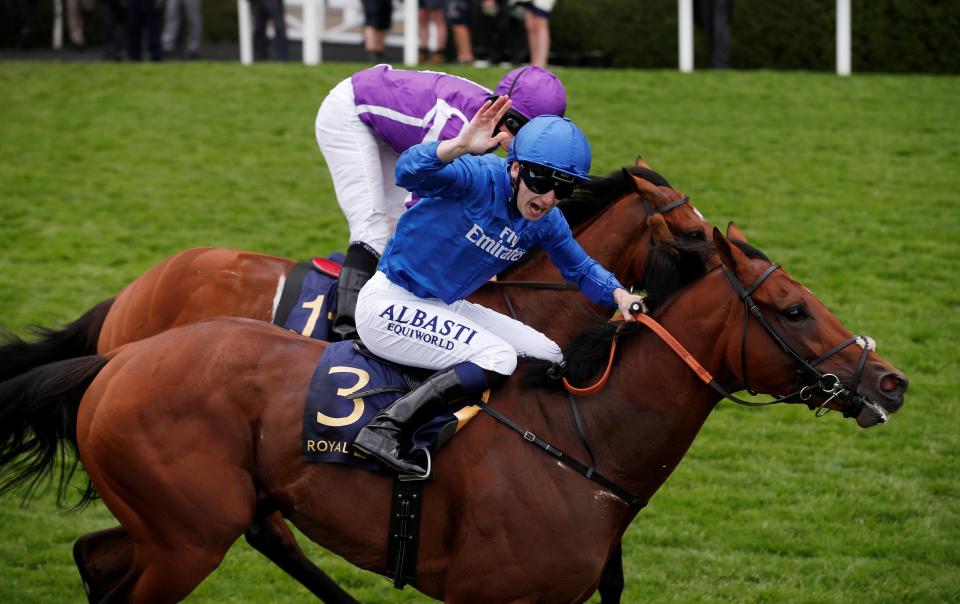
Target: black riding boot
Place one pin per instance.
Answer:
(381, 437)
(358, 267)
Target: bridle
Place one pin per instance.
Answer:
(851, 401)
(648, 207)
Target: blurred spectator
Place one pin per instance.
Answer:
(171, 27)
(75, 10)
(431, 11)
(114, 19)
(499, 34)
(536, 18)
(377, 16)
(714, 17)
(143, 14)
(458, 17)
(263, 11)
(21, 12)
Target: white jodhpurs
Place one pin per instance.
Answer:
(362, 167)
(429, 333)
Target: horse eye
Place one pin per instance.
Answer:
(695, 235)
(795, 313)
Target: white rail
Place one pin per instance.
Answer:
(306, 21)
(685, 36)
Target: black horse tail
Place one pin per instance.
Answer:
(75, 340)
(38, 427)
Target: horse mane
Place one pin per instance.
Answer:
(672, 265)
(586, 355)
(595, 195)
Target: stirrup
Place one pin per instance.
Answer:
(415, 477)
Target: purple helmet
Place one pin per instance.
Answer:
(534, 91)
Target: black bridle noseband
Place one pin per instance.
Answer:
(852, 402)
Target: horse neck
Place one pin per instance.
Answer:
(611, 238)
(644, 420)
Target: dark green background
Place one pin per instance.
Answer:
(895, 36)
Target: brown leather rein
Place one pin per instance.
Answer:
(664, 335)
(829, 384)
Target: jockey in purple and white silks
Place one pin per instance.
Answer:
(367, 120)
(478, 215)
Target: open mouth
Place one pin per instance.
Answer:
(871, 415)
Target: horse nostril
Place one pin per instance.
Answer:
(892, 382)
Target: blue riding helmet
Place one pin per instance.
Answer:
(554, 142)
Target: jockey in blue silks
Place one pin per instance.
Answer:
(371, 117)
(479, 213)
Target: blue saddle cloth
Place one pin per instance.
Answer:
(347, 389)
(315, 307)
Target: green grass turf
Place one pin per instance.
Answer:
(852, 184)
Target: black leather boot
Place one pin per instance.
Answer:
(359, 265)
(381, 437)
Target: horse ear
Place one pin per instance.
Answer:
(643, 187)
(734, 232)
(641, 163)
(729, 254)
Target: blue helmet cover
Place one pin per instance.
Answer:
(554, 142)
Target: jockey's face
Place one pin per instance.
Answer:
(532, 206)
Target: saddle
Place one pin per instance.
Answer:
(349, 386)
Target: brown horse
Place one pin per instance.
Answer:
(610, 220)
(186, 433)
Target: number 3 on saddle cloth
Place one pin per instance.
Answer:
(349, 386)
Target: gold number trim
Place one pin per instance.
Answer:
(363, 378)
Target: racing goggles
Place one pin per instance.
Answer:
(541, 180)
(513, 120)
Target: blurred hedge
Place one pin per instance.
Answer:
(888, 35)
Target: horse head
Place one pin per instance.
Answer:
(790, 345)
(618, 218)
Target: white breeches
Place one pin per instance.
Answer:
(429, 333)
(362, 167)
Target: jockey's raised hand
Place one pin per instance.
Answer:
(475, 137)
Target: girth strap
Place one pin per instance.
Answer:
(404, 539)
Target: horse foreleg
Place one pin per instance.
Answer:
(103, 559)
(611, 580)
(271, 536)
